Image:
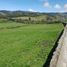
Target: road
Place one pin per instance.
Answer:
(59, 58)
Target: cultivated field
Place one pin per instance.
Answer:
(26, 45)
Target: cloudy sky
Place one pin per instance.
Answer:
(34, 5)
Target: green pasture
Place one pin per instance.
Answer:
(26, 45)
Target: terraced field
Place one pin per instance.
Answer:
(26, 45)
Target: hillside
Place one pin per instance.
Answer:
(33, 17)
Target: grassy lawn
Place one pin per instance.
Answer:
(23, 45)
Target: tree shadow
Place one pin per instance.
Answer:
(47, 63)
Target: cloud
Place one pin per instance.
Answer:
(31, 10)
(65, 7)
(57, 6)
(47, 5)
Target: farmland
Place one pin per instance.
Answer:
(26, 45)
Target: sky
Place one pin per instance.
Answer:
(34, 5)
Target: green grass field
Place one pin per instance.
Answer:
(26, 45)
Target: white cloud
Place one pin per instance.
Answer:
(57, 6)
(47, 5)
(65, 7)
(31, 10)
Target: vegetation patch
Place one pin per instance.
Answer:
(28, 45)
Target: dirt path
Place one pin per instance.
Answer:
(59, 58)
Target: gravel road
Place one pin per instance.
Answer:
(59, 58)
